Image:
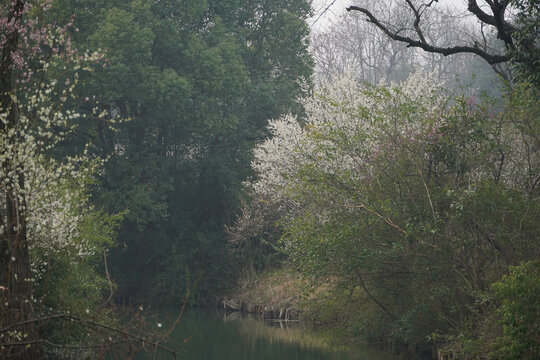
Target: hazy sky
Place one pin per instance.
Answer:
(337, 7)
(333, 11)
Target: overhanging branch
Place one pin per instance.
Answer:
(422, 43)
(473, 7)
(504, 29)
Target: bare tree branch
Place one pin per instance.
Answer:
(490, 58)
(504, 29)
(416, 21)
(480, 14)
(108, 275)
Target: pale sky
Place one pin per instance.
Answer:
(337, 7)
(334, 10)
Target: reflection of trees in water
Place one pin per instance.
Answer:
(301, 335)
(290, 332)
(215, 334)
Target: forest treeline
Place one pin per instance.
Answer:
(153, 149)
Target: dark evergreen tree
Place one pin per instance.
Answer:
(198, 81)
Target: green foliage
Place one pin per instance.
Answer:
(70, 279)
(518, 294)
(198, 80)
(526, 54)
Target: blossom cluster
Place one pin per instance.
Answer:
(346, 126)
(46, 191)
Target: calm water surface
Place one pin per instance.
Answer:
(215, 335)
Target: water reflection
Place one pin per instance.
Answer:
(293, 333)
(217, 335)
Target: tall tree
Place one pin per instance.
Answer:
(33, 119)
(199, 81)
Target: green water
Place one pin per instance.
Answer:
(216, 335)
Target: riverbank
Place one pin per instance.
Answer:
(281, 294)
(273, 294)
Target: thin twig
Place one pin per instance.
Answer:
(92, 323)
(108, 275)
(385, 219)
(323, 12)
(186, 298)
(428, 193)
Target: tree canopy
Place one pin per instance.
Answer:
(198, 81)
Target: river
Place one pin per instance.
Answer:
(215, 335)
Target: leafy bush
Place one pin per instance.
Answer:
(519, 311)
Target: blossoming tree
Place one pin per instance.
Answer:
(43, 204)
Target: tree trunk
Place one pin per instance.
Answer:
(18, 335)
(17, 299)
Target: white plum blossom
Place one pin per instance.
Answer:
(48, 194)
(342, 129)
(40, 184)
